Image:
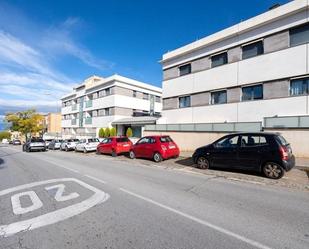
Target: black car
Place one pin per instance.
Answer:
(269, 153)
(34, 144)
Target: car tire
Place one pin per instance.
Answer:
(131, 154)
(202, 162)
(98, 152)
(85, 151)
(273, 170)
(157, 157)
(114, 154)
(66, 148)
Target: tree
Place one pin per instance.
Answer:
(113, 132)
(129, 132)
(101, 133)
(107, 132)
(26, 122)
(5, 135)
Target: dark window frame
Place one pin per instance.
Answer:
(260, 50)
(212, 97)
(296, 30)
(223, 55)
(252, 93)
(305, 86)
(186, 105)
(182, 69)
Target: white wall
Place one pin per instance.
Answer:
(250, 111)
(65, 123)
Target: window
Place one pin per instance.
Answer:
(134, 94)
(219, 59)
(218, 97)
(185, 69)
(252, 50)
(228, 142)
(166, 139)
(101, 112)
(107, 112)
(145, 96)
(249, 141)
(299, 86)
(95, 95)
(184, 102)
(158, 99)
(94, 113)
(252, 92)
(107, 91)
(299, 35)
(101, 94)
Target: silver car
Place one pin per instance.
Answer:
(69, 144)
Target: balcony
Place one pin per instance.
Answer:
(74, 107)
(88, 120)
(88, 103)
(73, 121)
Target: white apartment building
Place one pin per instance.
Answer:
(257, 68)
(105, 102)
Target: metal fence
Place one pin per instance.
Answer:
(287, 122)
(208, 127)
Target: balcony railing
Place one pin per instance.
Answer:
(88, 120)
(89, 103)
(74, 107)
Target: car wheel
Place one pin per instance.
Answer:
(114, 154)
(131, 154)
(157, 157)
(273, 170)
(28, 149)
(85, 151)
(202, 163)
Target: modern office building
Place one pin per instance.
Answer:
(105, 102)
(257, 68)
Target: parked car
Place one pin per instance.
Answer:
(55, 144)
(269, 153)
(5, 141)
(16, 142)
(155, 147)
(87, 145)
(34, 144)
(69, 144)
(114, 146)
(47, 141)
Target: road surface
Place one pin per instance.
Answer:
(70, 200)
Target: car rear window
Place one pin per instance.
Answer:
(282, 140)
(37, 140)
(165, 139)
(122, 139)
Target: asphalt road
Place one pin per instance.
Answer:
(70, 200)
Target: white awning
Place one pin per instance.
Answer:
(144, 120)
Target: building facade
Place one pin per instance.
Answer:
(258, 68)
(52, 123)
(98, 102)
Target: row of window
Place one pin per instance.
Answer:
(298, 35)
(101, 93)
(101, 112)
(297, 87)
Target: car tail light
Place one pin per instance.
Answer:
(284, 153)
(163, 147)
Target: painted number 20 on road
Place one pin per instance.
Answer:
(58, 187)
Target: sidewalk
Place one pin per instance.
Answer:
(301, 162)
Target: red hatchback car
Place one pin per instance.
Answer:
(114, 146)
(155, 147)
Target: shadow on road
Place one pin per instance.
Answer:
(1, 163)
(189, 163)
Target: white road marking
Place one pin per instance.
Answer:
(55, 216)
(202, 222)
(96, 179)
(73, 170)
(59, 194)
(16, 205)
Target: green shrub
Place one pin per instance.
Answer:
(101, 133)
(5, 135)
(113, 132)
(107, 132)
(129, 132)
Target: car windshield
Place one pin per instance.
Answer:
(122, 139)
(93, 140)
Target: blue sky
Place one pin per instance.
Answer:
(48, 46)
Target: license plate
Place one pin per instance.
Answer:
(125, 145)
(172, 146)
